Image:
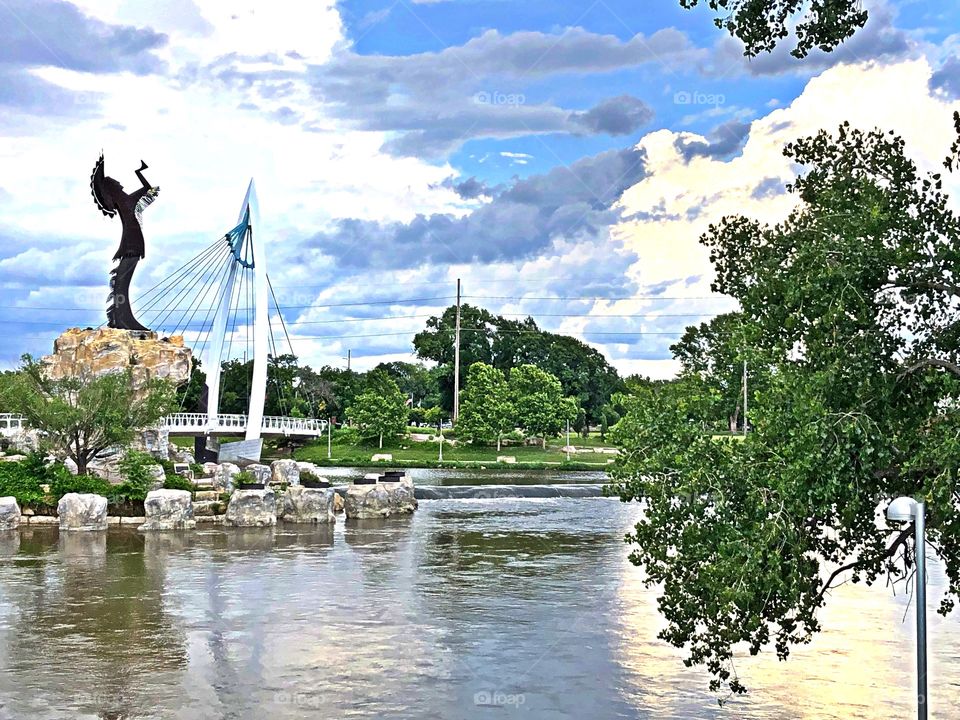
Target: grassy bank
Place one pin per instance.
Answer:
(425, 454)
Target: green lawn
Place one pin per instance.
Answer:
(412, 453)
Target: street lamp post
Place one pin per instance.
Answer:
(905, 509)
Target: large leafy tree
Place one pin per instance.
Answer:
(80, 417)
(853, 300)
(380, 410)
(436, 342)
(762, 24)
(583, 372)
(539, 405)
(418, 382)
(713, 357)
(486, 408)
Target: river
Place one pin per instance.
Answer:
(477, 476)
(470, 609)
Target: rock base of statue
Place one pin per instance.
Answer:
(89, 353)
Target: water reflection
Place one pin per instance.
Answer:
(469, 609)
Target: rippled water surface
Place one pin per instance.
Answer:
(470, 609)
(485, 476)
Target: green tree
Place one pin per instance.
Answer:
(540, 407)
(712, 357)
(583, 372)
(380, 410)
(761, 24)
(486, 409)
(436, 343)
(852, 298)
(80, 417)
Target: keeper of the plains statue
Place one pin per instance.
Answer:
(112, 200)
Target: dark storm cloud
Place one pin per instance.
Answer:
(469, 189)
(50, 33)
(620, 115)
(574, 202)
(947, 79)
(767, 188)
(722, 142)
(36, 33)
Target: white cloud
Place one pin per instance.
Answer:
(678, 200)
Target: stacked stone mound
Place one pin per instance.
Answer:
(93, 353)
(380, 500)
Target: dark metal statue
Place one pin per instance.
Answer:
(112, 200)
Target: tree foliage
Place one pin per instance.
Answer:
(851, 300)
(380, 410)
(583, 372)
(539, 405)
(80, 417)
(486, 406)
(762, 24)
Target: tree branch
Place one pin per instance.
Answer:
(930, 362)
(888, 553)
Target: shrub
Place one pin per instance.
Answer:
(23, 480)
(79, 484)
(178, 482)
(346, 436)
(244, 477)
(137, 481)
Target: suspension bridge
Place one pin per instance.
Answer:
(220, 301)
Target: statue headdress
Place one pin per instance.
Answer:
(97, 190)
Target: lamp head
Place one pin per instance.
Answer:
(903, 509)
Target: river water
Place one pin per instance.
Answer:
(469, 609)
(476, 476)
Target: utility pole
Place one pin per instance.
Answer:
(441, 440)
(329, 438)
(568, 441)
(456, 362)
(744, 398)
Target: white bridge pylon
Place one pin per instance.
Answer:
(248, 251)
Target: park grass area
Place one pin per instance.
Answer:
(412, 453)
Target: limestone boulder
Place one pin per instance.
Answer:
(262, 473)
(223, 476)
(82, 511)
(380, 500)
(285, 471)
(9, 513)
(168, 510)
(157, 476)
(154, 441)
(308, 505)
(252, 508)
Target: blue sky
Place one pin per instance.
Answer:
(561, 158)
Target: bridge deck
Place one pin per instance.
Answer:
(228, 424)
(196, 424)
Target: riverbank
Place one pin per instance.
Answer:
(413, 453)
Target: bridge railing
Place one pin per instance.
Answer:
(11, 424)
(274, 425)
